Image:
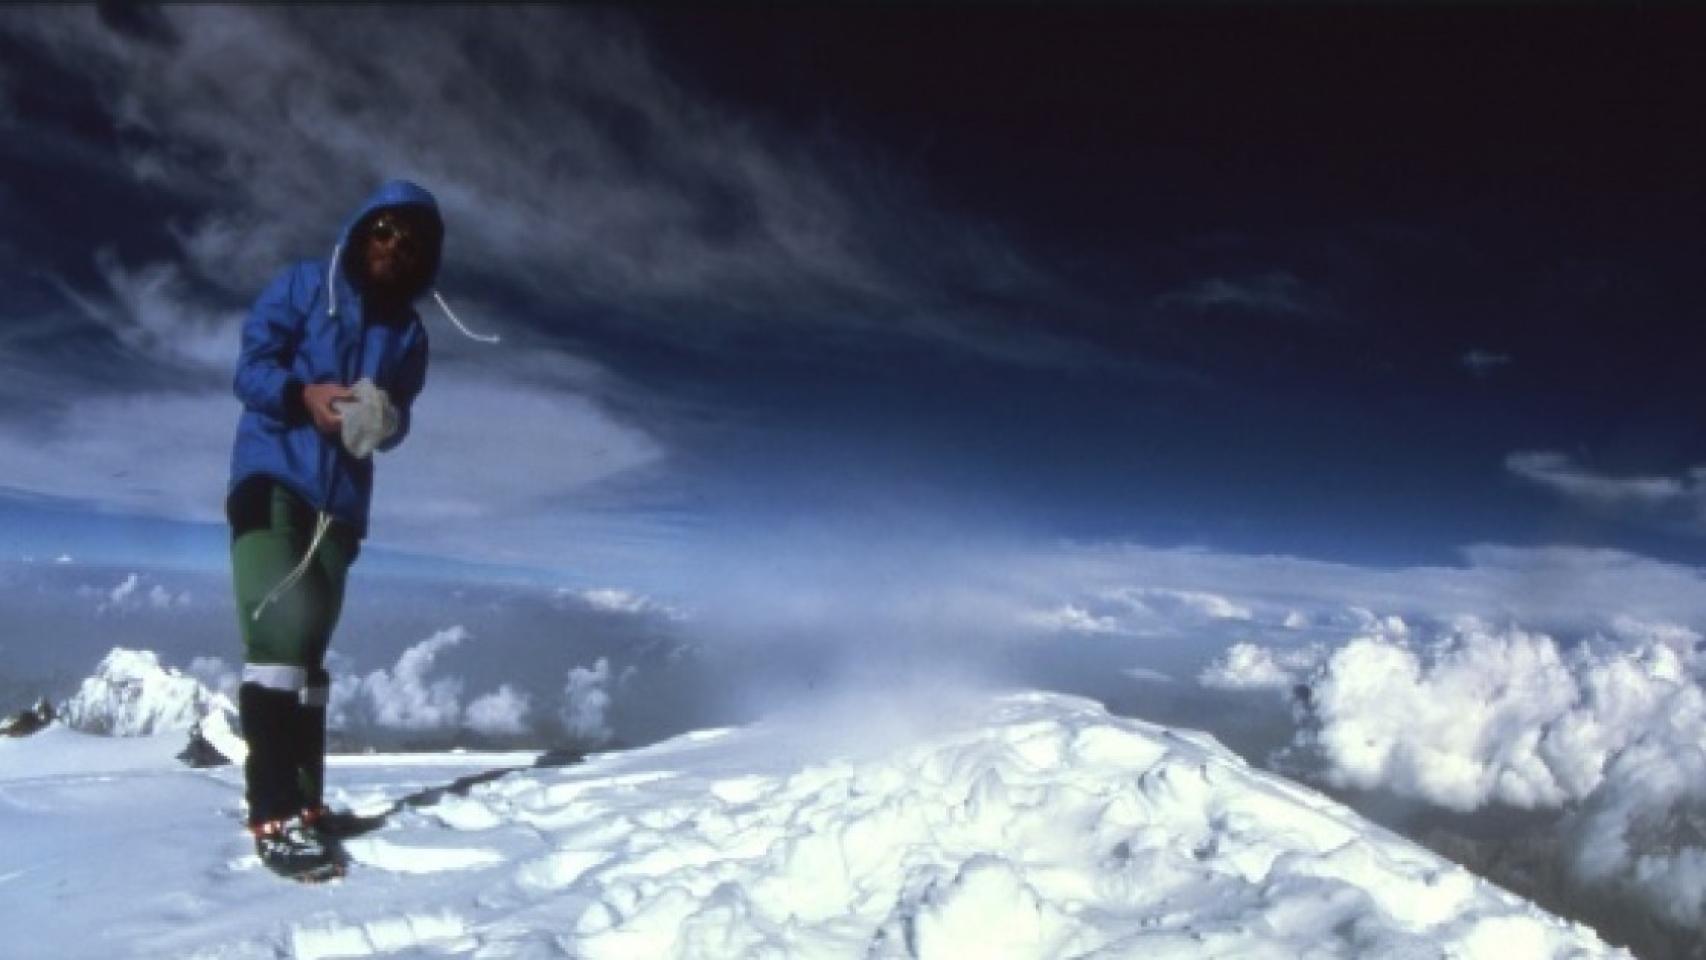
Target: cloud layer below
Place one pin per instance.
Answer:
(1608, 729)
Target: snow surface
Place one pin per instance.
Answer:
(1025, 825)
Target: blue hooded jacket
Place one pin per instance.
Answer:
(312, 324)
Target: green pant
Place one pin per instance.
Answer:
(281, 703)
(295, 629)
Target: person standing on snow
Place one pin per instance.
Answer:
(333, 357)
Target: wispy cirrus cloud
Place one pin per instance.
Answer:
(570, 162)
(1482, 363)
(586, 184)
(1652, 497)
(1275, 292)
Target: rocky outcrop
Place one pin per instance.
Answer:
(25, 722)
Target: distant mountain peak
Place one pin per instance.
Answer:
(132, 695)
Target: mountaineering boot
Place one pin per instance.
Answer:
(291, 848)
(308, 742)
(270, 775)
(309, 756)
(334, 825)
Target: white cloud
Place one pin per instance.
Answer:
(162, 599)
(432, 494)
(552, 444)
(216, 675)
(1137, 611)
(503, 711)
(412, 696)
(129, 595)
(1483, 362)
(586, 702)
(1273, 292)
(1562, 475)
(617, 600)
(152, 311)
(1201, 603)
(1070, 618)
(404, 697)
(1490, 716)
(566, 158)
(106, 451)
(1248, 666)
(1571, 588)
(1642, 833)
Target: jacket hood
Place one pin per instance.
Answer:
(392, 194)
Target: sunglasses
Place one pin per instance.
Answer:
(388, 229)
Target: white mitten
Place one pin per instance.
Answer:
(369, 419)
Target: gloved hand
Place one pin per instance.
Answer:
(368, 419)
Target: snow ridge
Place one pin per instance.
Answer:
(1024, 826)
(1037, 827)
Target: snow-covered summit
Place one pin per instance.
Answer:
(132, 695)
(1019, 826)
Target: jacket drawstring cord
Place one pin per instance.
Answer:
(481, 337)
(332, 280)
(322, 523)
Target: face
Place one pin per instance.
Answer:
(395, 247)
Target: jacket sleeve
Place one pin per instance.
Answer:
(271, 335)
(411, 377)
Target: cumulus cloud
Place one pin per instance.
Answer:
(1607, 729)
(616, 600)
(415, 696)
(129, 595)
(1249, 666)
(404, 697)
(504, 711)
(162, 599)
(1642, 833)
(586, 703)
(1491, 716)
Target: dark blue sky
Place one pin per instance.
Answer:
(1274, 237)
(1367, 285)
